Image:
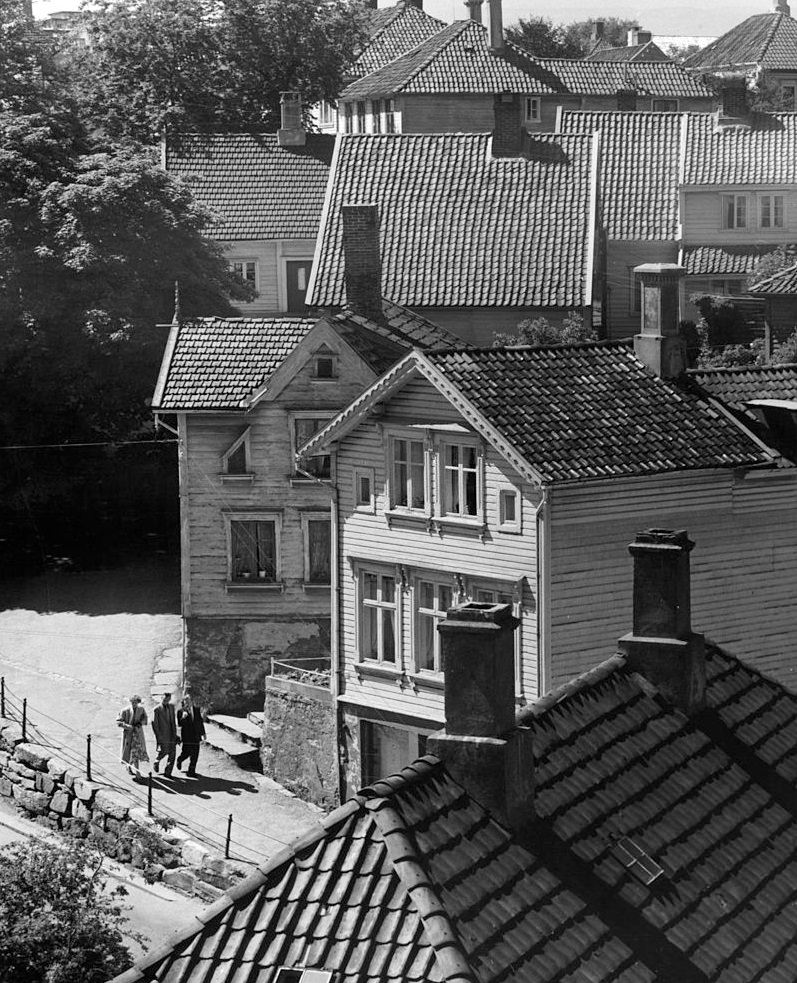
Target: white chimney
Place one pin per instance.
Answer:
(633, 36)
(474, 10)
(291, 133)
(659, 344)
(496, 26)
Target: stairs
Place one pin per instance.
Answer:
(237, 737)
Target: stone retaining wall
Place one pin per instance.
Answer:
(56, 795)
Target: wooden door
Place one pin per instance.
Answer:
(297, 275)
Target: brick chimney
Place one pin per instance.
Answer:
(480, 745)
(496, 26)
(508, 134)
(291, 133)
(598, 29)
(662, 646)
(362, 261)
(474, 10)
(659, 345)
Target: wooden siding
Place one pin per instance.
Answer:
(496, 559)
(744, 565)
(622, 255)
(270, 255)
(702, 218)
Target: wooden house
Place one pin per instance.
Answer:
(515, 475)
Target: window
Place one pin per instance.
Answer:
(364, 489)
(788, 96)
(770, 211)
(409, 474)
(325, 366)
(385, 750)
(531, 105)
(361, 116)
(376, 116)
(327, 114)
(734, 211)
(235, 461)
(378, 616)
(246, 269)
(305, 427)
(253, 550)
(432, 602)
(390, 115)
(486, 593)
(725, 287)
(509, 510)
(626, 100)
(317, 549)
(665, 105)
(460, 479)
(348, 117)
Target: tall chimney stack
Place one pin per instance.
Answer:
(474, 10)
(659, 344)
(291, 133)
(598, 29)
(662, 646)
(782, 7)
(496, 26)
(480, 745)
(508, 132)
(632, 38)
(362, 261)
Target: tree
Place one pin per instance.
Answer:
(59, 923)
(615, 32)
(154, 66)
(770, 263)
(543, 38)
(680, 52)
(539, 331)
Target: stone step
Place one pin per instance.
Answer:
(241, 727)
(245, 755)
(256, 717)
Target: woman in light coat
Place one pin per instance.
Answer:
(132, 720)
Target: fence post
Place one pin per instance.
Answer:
(149, 794)
(229, 833)
(88, 756)
(25, 719)
(2, 696)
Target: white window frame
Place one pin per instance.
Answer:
(361, 114)
(735, 200)
(771, 200)
(380, 571)
(409, 436)
(348, 117)
(532, 109)
(327, 114)
(377, 122)
(244, 440)
(391, 116)
(243, 262)
(442, 485)
(505, 525)
(514, 590)
(360, 505)
(307, 518)
(436, 613)
(259, 515)
(298, 478)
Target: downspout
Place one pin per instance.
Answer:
(542, 516)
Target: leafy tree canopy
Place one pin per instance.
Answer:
(539, 331)
(779, 259)
(545, 39)
(152, 66)
(58, 921)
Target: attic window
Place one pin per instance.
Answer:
(325, 367)
(634, 859)
(236, 461)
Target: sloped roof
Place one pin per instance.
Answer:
(722, 260)
(639, 155)
(217, 363)
(649, 51)
(255, 188)
(413, 880)
(763, 152)
(392, 31)
(738, 385)
(664, 79)
(766, 40)
(460, 228)
(782, 282)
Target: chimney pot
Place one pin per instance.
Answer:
(496, 26)
(291, 133)
(474, 10)
(662, 646)
(659, 344)
(362, 261)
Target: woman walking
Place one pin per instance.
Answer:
(134, 746)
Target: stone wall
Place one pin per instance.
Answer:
(55, 794)
(299, 748)
(227, 658)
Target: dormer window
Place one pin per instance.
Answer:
(236, 463)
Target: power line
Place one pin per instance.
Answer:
(95, 443)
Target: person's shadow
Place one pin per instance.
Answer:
(202, 786)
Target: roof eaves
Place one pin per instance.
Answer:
(166, 364)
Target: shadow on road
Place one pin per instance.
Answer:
(203, 786)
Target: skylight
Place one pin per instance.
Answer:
(639, 863)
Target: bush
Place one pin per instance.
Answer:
(539, 331)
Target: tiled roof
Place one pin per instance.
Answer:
(764, 152)
(737, 386)
(460, 228)
(584, 411)
(782, 282)
(649, 51)
(216, 363)
(768, 40)
(639, 155)
(457, 59)
(392, 31)
(413, 880)
(404, 326)
(255, 188)
(722, 260)
(664, 79)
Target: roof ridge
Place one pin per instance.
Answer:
(412, 774)
(773, 30)
(461, 26)
(577, 685)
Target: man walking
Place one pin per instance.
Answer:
(164, 723)
(192, 730)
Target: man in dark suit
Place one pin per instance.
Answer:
(164, 723)
(192, 730)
